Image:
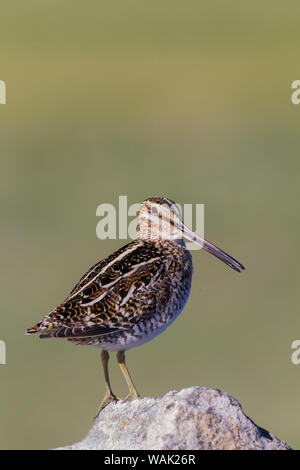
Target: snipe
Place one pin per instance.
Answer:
(134, 294)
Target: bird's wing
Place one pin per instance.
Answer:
(107, 296)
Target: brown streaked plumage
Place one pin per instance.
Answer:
(134, 294)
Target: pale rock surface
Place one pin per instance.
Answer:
(194, 418)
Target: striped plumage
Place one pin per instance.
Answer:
(126, 299)
(134, 294)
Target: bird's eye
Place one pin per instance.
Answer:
(154, 211)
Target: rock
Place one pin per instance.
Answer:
(194, 418)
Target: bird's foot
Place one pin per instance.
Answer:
(108, 398)
(132, 396)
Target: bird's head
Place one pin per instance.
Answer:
(160, 218)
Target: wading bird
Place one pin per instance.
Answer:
(134, 294)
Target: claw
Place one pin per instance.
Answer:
(108, 398)
(131, 396)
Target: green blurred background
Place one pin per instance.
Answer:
(190, 100)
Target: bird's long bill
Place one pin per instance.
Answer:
(214, 250)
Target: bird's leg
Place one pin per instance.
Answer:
(133, 391)
(109, 395)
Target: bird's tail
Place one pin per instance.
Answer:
(34, 329)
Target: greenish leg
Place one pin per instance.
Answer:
(109, 395)
(133, 391)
